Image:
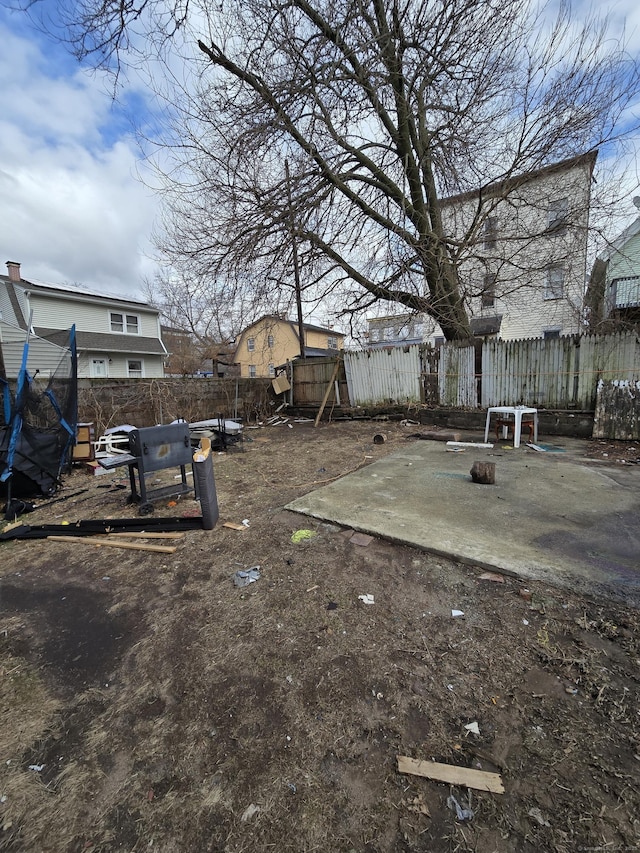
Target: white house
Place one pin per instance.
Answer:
(116, 337)
(522, 259)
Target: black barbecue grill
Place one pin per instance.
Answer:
(154, 449)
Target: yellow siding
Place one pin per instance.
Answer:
(274, 342)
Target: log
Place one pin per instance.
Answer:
(484, 472)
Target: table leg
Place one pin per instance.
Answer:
(516, 428)
(486, 427)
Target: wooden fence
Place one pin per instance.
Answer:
(556, 373)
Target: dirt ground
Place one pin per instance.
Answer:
(147, 703)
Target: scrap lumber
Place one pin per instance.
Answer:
(91, 527)
(334, 376)
(481, 780)
(112, 543)
(144, 534)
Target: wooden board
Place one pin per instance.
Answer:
(481, 780)
(113, 543)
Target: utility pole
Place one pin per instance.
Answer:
(296, 270)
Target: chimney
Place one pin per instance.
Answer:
(13, 268)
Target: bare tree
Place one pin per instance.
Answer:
(383, 108)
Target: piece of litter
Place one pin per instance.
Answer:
(245, 577)
(537, 815)
(106, 578)
(36, 767)
(455, 613)
(312, 588)
(367, 598)
(249, 812)
(449, 686)
(289, 679)
(525, 621)
(491, 576)
(233, 525)
(245, 522)
(473, 727)
(461, 812)
(301, 535)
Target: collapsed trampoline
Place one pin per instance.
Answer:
(38, 420)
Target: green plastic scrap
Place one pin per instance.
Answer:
(301, 535)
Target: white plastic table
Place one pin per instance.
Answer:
(517, 412)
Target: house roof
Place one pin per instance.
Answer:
(75, 293)
(275, 319)
(515, 181)
(618, 244)
(310, 327)
(102, 342)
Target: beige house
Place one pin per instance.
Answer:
(272, 341)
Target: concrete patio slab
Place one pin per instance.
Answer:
(550, 516)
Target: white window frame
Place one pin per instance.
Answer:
(251, 344)
(128, 324)
(554, 284)
(332, 342)
(551, 334)
(136, 374)
(252, 371)
(270, 341)
(272, 369)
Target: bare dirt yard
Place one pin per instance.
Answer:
(149, 704)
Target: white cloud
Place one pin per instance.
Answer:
(72, 207)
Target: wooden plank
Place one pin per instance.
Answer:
(145, 535)
(482, 780)
(101, 543)
(334, 376)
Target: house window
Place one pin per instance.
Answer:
(489, 232)
(128, 323)
(117, 322)
(272, 370)
(557, 217)
(438, 342)
(251, 344)
(332, 342)
(252, 371)
(98, 368)
(270, 341)
(554, 286)
(134, 368)
(548, 334)
(488, 297)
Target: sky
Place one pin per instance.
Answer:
(74, 210)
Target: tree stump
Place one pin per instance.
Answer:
(484, 472)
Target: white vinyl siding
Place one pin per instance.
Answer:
(59, 313)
